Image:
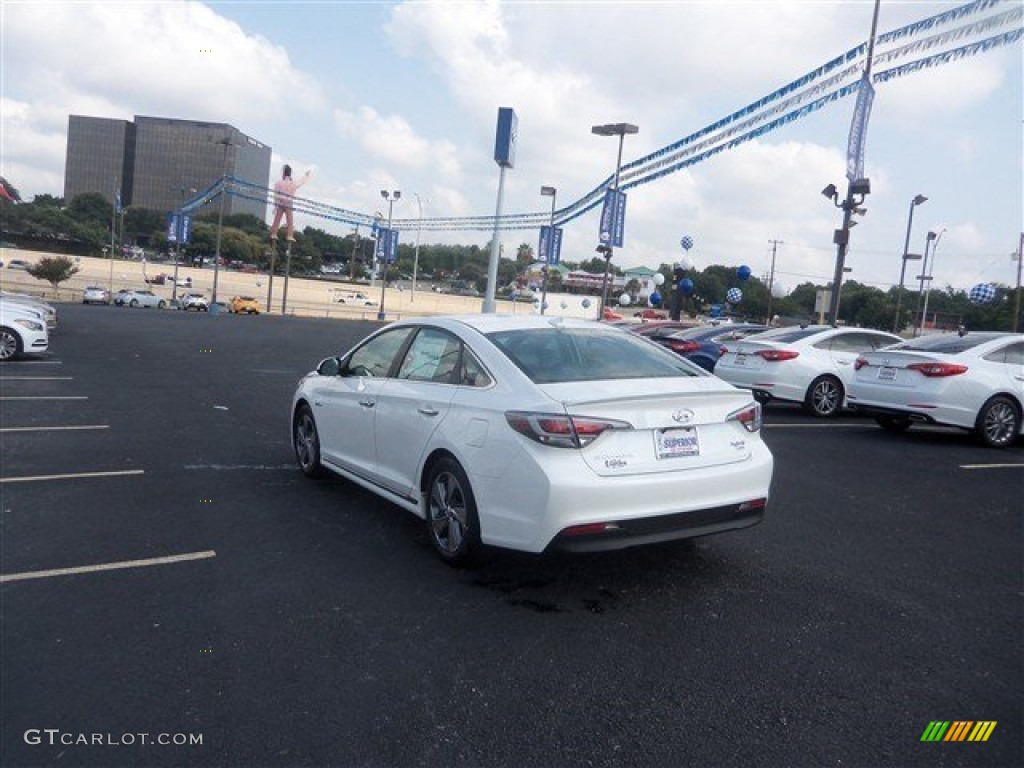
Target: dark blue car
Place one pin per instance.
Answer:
(703, 345)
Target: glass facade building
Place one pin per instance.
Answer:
(160, 161)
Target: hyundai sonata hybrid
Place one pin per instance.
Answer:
(970, 380)
(535, 433)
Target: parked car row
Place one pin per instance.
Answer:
(25, 325)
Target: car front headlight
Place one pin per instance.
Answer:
(32, 325)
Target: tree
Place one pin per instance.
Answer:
(48, 201)
(54, 269)
(91, 207)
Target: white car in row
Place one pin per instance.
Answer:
(535, 433)
(974, 381)
(48, 311)
(22, 331)
(812, 365)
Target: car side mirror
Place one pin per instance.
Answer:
(329, 367)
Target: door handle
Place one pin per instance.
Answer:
(426, 410)
(367, 403)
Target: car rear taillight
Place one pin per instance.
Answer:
(561, 431)
(937, 370)
(683, 347)
(722, 351)
(749, 416)
(776, 355)
(859, 363)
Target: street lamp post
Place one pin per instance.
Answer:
(931, 272)
(922, 277)
(620, 130)
(856, 191)
(907, 256)
(226, 142)
(552, 193)
(416, 254)
(390, 197)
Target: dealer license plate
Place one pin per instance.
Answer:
(676, 442)
(886, 373)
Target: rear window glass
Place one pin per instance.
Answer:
(789, 334)
(553, 355)
(946, 343)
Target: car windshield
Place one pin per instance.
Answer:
(945, 343)
(554, 355)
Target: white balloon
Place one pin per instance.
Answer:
(686, 263)
(625, 299)
(778, 290)
(659, 279)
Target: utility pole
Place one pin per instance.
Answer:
(1016, 301)
(771, 278)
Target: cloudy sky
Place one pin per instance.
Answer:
(404, 95)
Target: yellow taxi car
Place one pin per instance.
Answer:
(246, 304)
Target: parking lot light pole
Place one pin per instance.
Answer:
(924, 276)
(907, 256)
(416, 253)
(620, 130)
(931, 272)
(226, 142)
(384, 255)
(552, 193)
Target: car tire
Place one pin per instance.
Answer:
(306, 442)
(452, 521)
(134, 303)
(10, 344)
(161, 304)
(824, 397)
(893, 423)
(998, 422)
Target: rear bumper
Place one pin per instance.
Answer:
(651, 530)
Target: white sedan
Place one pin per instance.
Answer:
(142, 299)
(535, 433)
(970, 380)
(812, 365)
(22, 331)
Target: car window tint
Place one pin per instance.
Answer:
(432, 356)
(853, 342)
(1011, 355)
(946, 343)
(473, 373)
(551, 355)
(374, 358)
(789, 334)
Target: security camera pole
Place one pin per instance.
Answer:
(857, 184)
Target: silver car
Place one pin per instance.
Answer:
(143, 299)
(94, 294)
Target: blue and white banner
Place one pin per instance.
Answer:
(859, 130)
(550, 249)
(179, 227)
(387, 245)
(613, 218)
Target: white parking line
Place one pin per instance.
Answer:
(47, 397)
(108, 566)
(992, 466)
(816, 426)
(75, 476)
(53, 429)
(37, 378)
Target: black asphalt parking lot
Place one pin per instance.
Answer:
(290, 622)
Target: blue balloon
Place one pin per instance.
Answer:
(655, 298)
(743, 273)
(685, 286)
(686, 242)
(734, 296)
(982, 293)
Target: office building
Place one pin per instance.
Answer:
(157, 162)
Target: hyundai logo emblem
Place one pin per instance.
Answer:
(683, 415)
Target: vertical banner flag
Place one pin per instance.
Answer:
(505, 137)
(859, 130)
(387, 245)
(613, 218)
(550, 249)
(179, 227)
